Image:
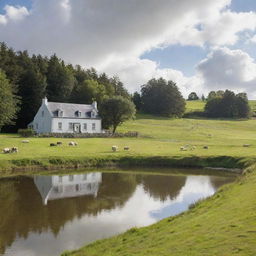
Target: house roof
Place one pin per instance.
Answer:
(70, 110)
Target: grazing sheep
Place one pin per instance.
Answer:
(246, 145)
(114, 148)
(72, 143)
(14, 150)
(59, 143)
(53, 144)
(126, 148)
(183, 148)
(25, 141)
(205, 147)
(6, 150)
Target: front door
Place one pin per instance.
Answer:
(77, 128)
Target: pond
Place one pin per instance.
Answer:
(45, 215)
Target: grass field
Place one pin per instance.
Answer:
(160, 137)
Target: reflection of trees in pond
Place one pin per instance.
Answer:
(218, 181)
(22, 210)
(163, 187)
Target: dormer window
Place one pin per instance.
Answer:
(78, 113)
(59, 113)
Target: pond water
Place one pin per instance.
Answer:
(45, 215)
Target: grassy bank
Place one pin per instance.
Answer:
(221, 225)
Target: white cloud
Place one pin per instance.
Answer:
(13, 13)
(228, 69)
(112, 35)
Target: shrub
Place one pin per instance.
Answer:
(26, 132)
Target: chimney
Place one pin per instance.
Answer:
(94, 104)
(44, 101)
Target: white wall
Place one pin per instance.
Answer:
(42, 123)
(65, 125)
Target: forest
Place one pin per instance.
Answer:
(36, 76)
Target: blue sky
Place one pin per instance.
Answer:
(218, 52)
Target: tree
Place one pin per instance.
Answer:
(87, 91)
(60, 80)
(136, 98)
(114, 111)
(228, 105)
(8, 101)
(160, 97)
(193, 96)
(32, 87)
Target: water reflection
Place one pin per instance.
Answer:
(46, 215)
(57, 187)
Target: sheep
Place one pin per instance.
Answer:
(246, 145)
(59, 143)
(14, 150)
(53, 144)
(205, 147)
(126, 148)
(114, 148)
(183, 148)
(6, 150)
(72, 143)
(25, 141)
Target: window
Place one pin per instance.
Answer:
(42, 113)
(70, 126)
(93, 126)
(59, 113)
(60, 126)
(78, 113)
(85, 127)
(70, 177)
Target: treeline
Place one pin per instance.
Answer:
(227, 105)
(34, 77)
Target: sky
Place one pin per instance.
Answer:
(202, 45)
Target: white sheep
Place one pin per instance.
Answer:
(183, 148)
(114, 148)
(6, 150)
(25, 141)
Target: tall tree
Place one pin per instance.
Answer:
(60, 80)
(32, 88)
(160, 97)
(114, 111)
(136, 98)
(8, 101)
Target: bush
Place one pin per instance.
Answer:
(26, 132)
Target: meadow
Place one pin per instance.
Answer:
(159, 137)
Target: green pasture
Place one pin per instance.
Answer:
(159, 136)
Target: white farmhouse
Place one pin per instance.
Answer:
(55, 117)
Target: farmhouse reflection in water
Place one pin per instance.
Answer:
(50, 214)
(57, 187)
